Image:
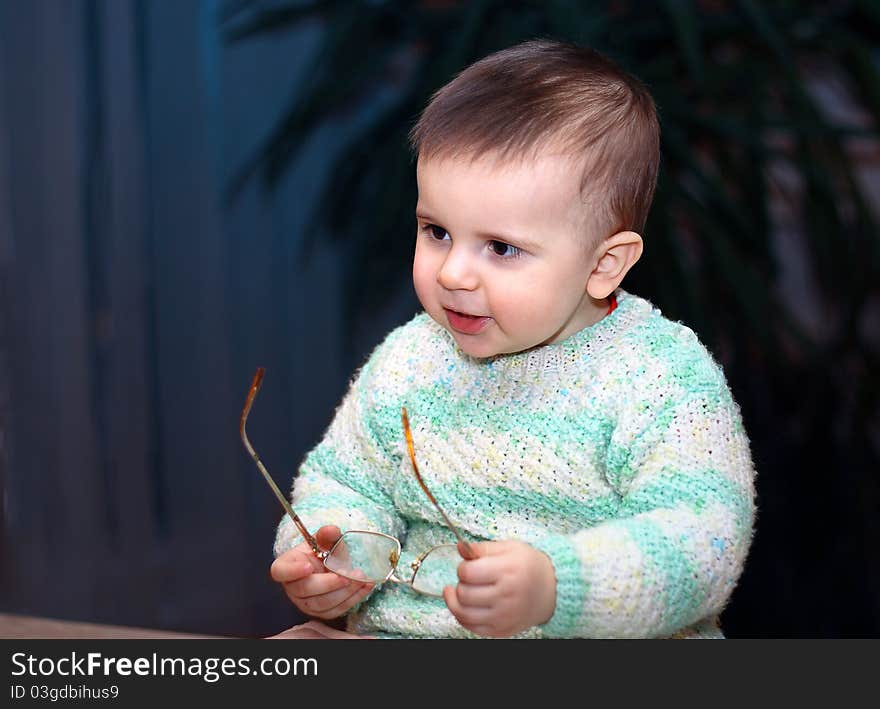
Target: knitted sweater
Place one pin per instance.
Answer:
(619, 452)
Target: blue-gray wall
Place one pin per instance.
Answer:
(137, 300)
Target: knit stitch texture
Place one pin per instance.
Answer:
(619, 452)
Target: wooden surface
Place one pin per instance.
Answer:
(21, 627)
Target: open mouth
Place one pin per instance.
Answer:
(466, 324)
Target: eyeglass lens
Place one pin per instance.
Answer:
(364, 556)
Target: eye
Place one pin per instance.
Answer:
(505, 250)
(437, 232)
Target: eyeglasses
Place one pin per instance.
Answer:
(372, 556)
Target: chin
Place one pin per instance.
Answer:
(470, 348)
(479, 350)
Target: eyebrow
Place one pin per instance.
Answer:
(518, 241)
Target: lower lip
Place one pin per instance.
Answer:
(466, 324)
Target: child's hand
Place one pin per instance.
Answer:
(509, 587)
(314, 590)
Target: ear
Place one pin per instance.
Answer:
(617, 254)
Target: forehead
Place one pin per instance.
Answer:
(522, 190)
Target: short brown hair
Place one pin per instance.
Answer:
(517, 100)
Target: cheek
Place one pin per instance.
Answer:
(519, 306)
(524, 293)
(423, 274)
(542, 299)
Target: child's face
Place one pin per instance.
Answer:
(501, 255)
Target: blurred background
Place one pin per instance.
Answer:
(190, 189)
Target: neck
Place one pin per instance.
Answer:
(588, 313)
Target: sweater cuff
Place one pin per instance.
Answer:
(571, 590)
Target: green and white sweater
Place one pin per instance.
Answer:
(619, 452)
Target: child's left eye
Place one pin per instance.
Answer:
(500, 248)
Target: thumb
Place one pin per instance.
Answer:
(480, 549)
(469, 550)
(327, 535)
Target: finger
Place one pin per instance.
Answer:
(315, 585)
(293, 566)
(468, 550)
(303, 552)
(349, 603)
(468, 617)
(476, 596)
(451, 600)
(334, 603)
(481, 549)
(458, 609)
(323, 607)
(482, 571)
(327, 536)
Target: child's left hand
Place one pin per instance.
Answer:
(509, 587)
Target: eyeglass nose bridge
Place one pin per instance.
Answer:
(417, 562)
(414, 565)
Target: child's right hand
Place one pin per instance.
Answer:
(314, 590)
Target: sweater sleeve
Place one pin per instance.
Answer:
(677, 546)
(341, 481)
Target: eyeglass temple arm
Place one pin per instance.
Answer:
(252, 393)
(466, 550)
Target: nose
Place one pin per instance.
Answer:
(458, 271)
